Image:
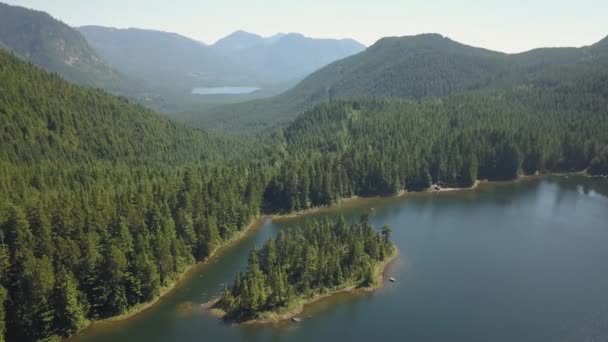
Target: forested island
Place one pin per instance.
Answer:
(299, 266)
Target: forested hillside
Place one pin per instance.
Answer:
(103, 202)
(41, 39)
(412, 67)
(382, 146)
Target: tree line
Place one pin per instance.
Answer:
(370, 147)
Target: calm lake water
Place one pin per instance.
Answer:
(224, 90)
(525, 261)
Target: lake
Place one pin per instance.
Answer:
(224, 90)
(522, 261)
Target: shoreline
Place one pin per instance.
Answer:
(404, 193)
(451, 189)
(261, 219)
(354, 199)
(256, 223)
(298, 307)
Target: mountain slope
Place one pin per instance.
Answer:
(46, 118)
(238, 41)
(407, 67)
(104, 203)
(56, 47)
(284, 57)
(165, 60)
(371, 147)
(414, 68)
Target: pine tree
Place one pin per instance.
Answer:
(70, 313)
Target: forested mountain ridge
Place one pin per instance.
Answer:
(104, 203)
(142, 54)
(39, 38)
(48, 119)
(285, 57)
(238, 41)
(411, 67)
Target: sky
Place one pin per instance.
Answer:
(502, 25)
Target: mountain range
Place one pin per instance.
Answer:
(284, 57)
(165, 60)
(239, 59)
(155, 67)
(409, 67)
(106, 204)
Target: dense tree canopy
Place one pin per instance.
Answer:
(104, 203)
(382, 146)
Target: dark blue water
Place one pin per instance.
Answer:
(525, 261)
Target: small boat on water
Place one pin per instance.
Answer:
(392, 279)
(296, 319)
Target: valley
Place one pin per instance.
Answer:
(146, 177)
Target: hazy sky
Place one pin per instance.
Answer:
(504, 25)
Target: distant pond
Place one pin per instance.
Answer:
(224, 90)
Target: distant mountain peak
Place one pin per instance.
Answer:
(413, 38)
(294, 34)
(144, 55)
(603, 41)
(284, 56)
(238, 40)
(243, 33)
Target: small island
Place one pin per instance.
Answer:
(303, 265)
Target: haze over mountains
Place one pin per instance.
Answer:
(410, 67)
(165, 60)
(154, 67)
(53, 45)
(240, 59)
(284, 57)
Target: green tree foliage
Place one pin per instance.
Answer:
(412, 67)
(104, 202)
(301, 263)
(380, 146)
(599, 163)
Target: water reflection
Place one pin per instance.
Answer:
(506, 262)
